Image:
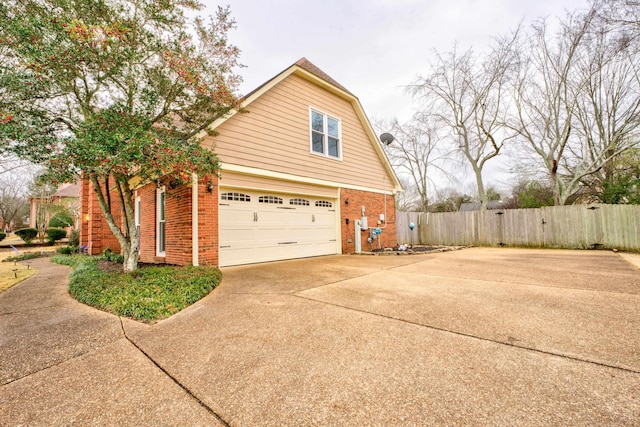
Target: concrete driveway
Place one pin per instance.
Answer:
(477, 336)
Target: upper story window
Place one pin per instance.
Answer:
(325, 135)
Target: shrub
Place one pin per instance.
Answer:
(2, 235)
(67, 250)
(111, 256)
(74, 238)
(27, 234)
(61, 220)
(55, 234)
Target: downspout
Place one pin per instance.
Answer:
(195, 259)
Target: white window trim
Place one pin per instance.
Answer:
(159, 191)
(326, 134)
(137, 208)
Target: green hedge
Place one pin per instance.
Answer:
(55, 234)
(61, 220)
(27, 234)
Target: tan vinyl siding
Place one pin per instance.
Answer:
(274, 135)
(234, 180)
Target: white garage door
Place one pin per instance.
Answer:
(263, 226)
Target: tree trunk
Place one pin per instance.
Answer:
(129, 241)
(482, 194)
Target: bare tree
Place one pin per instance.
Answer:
(408, 200)
(576, 103)
(608, 107)
(468, 94)
(14, 203)
(416, 153)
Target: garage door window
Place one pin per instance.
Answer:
(270, 199)
(323, 204)
(236, 197)
(299, 202)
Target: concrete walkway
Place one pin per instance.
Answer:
(479, 336)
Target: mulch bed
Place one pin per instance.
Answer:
(109, 267)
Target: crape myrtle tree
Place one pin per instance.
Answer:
(114, 90)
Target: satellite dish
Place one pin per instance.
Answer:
(386, 138)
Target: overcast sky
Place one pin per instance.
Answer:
(372, 47)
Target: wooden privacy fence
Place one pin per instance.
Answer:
(571, 227)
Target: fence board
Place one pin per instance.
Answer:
(576, 226)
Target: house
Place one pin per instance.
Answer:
(44, 207)
(297, 170)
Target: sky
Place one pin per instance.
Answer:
(372, 47)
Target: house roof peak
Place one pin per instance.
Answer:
(307, 65)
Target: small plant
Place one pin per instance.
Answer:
(2, 235)
(55, 234)
(111, 256)
(27, 234)
(67, 250)
(74, 238)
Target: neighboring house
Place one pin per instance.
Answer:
(297, 170)
(475, 206)
(43, 208)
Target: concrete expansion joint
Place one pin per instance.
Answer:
(329, 284)
(171, 377)
(463, 334)
(537, 285)
(30, 309)
(54, 365)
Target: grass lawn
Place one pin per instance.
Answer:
(7, 275)
(149, 294)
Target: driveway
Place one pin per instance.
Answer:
(477, 336)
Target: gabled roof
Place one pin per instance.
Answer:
(68, 190)
(305, 69)
(307, 65)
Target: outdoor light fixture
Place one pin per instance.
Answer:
(346, 201)
(210, 186)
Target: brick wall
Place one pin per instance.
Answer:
(208, 222)
(374, 206)
(147, 196)
(94, 230)
(96, 235)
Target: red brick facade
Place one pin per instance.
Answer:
(374, 206)
(95, 233)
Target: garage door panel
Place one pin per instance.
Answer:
(251, 231)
